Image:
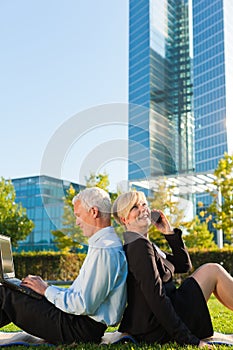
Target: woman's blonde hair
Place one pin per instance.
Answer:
(125, 202)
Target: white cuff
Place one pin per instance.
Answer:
(51, 293)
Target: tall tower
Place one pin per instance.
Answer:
(160, 90)
(213, 81)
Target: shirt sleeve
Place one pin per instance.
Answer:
(90, 288)
(180, 257)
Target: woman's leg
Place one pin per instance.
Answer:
(213, 278)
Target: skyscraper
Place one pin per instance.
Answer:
(213, 83)
(161, 129)
(213, 80)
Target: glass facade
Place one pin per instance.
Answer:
(42, 196)
(160, 89)
(213, 84)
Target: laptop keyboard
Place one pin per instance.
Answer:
(15, 281)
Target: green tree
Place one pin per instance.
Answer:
(198, 235)
(98, 180)
(70, 237)
(13, 218)
(165, 200)
(101, 180)
(222, 205)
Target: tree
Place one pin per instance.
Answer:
(13, 218)
(165, 200)
(98, 180)
(196, 232)
(101, 181)
(222, 205)
(70, 237)
(198, 235)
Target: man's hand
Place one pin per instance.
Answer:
(36, 283)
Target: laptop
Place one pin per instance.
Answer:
(7, 271)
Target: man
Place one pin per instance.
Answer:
(97, 297)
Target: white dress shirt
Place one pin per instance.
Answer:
(99, 291)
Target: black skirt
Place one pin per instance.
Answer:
(189, 303)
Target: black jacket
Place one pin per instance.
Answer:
(150, 315)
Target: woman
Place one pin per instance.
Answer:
(157, 311)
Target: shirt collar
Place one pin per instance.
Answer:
(99, 234)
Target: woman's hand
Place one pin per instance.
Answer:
(160, 221)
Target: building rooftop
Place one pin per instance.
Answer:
(185, 183)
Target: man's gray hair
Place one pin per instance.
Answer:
(95, 197)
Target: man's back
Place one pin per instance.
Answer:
(99, 291)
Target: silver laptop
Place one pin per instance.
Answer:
(7, 271)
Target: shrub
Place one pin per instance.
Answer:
(48, 265)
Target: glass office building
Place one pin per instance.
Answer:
(42, 196)
(160, 89)
(213, 80)
(213, 83)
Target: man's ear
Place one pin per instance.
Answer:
(95, 212)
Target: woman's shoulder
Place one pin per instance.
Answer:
(133, 241)
(139, 252)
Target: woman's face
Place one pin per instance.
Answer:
(138, 218)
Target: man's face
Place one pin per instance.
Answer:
(84, 219)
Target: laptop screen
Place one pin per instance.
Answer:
(7, 264)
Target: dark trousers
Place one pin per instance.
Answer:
(42, 319)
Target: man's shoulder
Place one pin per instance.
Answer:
(106, 238)
(110, 242)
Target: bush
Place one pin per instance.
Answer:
(48, 265)
(223, 257)
(66, 266)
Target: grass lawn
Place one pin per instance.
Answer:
(221, 317)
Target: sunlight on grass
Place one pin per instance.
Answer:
(221, 317)
(10, 328)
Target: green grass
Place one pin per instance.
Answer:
(221, 317)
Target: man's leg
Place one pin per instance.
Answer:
(42, 319)
(37, 317)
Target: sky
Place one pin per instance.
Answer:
(63, 63)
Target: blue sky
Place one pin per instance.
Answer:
(58, 59)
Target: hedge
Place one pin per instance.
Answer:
(48, 265)
(65, 266)
(222, 256)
